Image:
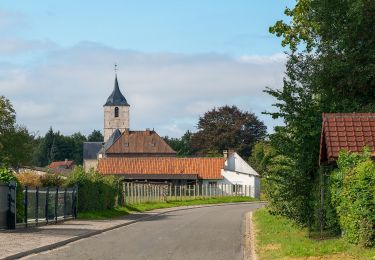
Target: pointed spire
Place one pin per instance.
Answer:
(116, 98)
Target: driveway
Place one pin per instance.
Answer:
(202, 233)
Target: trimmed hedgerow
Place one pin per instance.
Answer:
(353, 196)
(95, 191)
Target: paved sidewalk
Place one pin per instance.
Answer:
(21, 242)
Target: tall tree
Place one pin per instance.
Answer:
(330, 68)
(95, 136)
(228, 127)
(78, 139)
(181, 145)
(16, 143)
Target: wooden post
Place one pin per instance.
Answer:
(180, 192)
(321, 203)
(132, 192)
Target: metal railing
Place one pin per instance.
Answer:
(134, 193)
(46, 205)
(4, 205)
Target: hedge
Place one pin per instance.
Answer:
(95, 191)
(353, 197)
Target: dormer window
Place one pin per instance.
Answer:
(116, 111)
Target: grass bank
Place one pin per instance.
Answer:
(141, 207)
(279, 238)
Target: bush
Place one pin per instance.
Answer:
(29, 179)
(353, 196)
(95, 192)
(286, 190)
(51, 180)
(7, 176)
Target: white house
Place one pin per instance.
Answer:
(237, 171)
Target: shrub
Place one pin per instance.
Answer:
(353, 196)
(51, 180)
(7, 176)
(285, 190)
(95, 192)
(29, 179)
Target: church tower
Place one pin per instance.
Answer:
(116, 112)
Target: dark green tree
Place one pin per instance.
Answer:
(53, 152)
(330, 68)
(225, 128)
(78, 139)
(95, 136)
(16, 143)
(181, 145)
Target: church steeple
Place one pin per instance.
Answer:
(116, 98)
(116, 112)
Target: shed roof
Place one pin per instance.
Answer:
(346, 131)
(205, 168)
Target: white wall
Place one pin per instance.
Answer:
(236, 163)
(238, 171)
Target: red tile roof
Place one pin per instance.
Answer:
(346, 131)
(62, 164)
(206, 168)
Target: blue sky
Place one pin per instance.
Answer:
(57, 57)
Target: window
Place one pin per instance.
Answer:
(237, 188)
(116, 111)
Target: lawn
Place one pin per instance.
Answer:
(141, 207)
(279, 238)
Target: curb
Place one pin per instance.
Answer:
(97, 232)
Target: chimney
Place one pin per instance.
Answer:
(225, 153)
(148, 131)
(231, 151)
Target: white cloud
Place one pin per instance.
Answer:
(167, 91)
(13, 45)
(254, 59)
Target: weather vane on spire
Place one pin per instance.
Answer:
(116, 68)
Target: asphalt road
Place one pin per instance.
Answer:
(204, 233)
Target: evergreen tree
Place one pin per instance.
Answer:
(95, 136)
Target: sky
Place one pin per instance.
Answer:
(176, 60)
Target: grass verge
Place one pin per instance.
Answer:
(141, 207)
(279, 238)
